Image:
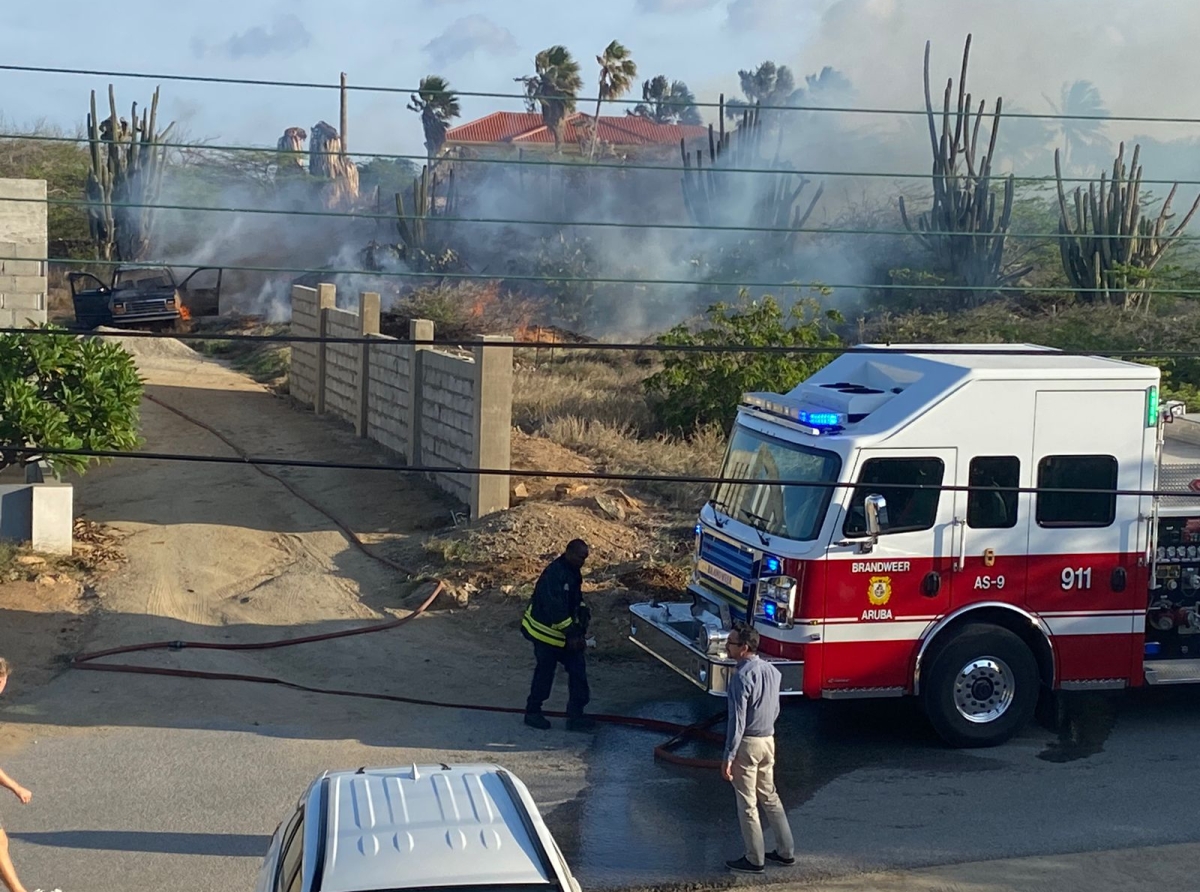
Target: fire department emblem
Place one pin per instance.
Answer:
(879, 590)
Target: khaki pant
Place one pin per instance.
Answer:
(754, 784)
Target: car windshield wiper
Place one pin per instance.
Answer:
(760, 527)
(719, 507)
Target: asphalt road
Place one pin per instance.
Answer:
(186, 797)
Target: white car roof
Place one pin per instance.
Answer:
(431, 826)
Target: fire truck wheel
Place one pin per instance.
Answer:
(982, 687)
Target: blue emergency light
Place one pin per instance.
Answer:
(771, 566)
(783, 407)
(769, 610)
(819, 419)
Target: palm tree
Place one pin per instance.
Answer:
(438, 106)
(1080, 98)
(553, 88)
(617, 71)
(667, 102)
(768, 84)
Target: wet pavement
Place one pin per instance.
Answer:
(869, 787)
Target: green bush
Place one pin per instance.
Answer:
(66, 392)
(699, 388)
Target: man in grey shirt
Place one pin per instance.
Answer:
(749, 763)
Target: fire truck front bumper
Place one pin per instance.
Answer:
(673, 636)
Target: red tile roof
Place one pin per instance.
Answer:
(525, 127)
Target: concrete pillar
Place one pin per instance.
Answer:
(368, 324)
(493, 425)
(326, 300)
(418, 330)
(53, 518)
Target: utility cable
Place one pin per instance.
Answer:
(736, 109)
(610, 280)
(567, 224)
(494, 342)
(34, 452)
(603, 165)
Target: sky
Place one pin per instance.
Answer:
(1142, 61)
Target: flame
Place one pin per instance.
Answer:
(184, 313)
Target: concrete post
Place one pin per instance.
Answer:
(418, 330)
(493, 426)
(52, 518)
(326, 300)
(368, 324)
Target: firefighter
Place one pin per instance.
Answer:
(556, 623)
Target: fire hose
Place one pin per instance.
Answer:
(681, 734)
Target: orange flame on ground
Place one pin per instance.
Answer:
(184, 313)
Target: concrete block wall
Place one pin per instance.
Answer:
(447, 430)
(433, 408)
(24, 236)
(341, 366)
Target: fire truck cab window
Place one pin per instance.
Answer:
(1074, 509)
(908, 510)
(990, 509)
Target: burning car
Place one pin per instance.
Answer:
(143, 295)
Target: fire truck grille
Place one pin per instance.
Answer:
(728, 557)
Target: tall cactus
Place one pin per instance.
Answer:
(1111, 249)
(962, 229)
(421, 249)
(707, 193)
(127, 167)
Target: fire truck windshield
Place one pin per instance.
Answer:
(792, 512)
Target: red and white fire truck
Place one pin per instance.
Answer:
(975, 599)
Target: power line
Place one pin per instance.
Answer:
(833, 109)
(607, 280)
(33, 452)
(600, 346)
(602, 165)
(608, 224)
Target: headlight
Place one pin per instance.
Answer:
(777, 600)
(780, 588)
(711, 639)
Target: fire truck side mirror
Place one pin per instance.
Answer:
(875, 507)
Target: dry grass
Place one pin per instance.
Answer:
(621, 451)
(592, 386)
(594, 404)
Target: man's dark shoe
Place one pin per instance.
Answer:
(741, 865)
(581, 723)
(537, 720)
(776, 858)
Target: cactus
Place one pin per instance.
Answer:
(127, 168)
(1110, 251)
(419, 249)
(705, 191)
(962, 229)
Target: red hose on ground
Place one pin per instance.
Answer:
(665, 751)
